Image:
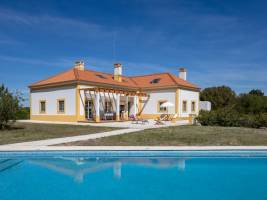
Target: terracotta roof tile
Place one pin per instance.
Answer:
(65, 76)
(164, 80)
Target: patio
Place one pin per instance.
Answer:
(103, 104)
(117, 124)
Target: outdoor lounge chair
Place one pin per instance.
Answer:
(163, 117)
(160, 119)
(172, 117)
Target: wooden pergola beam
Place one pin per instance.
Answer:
(107, 90)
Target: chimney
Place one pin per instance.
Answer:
(118, 72)
(79, 64)
(182, 73)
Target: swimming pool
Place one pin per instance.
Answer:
(133, 175)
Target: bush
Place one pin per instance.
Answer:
(231, 118)
(23, 113)
(246, 110)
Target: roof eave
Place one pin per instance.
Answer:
(65, 83)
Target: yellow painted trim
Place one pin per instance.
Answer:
(58, 111)
(139, 105)
(182, 118)
(60, 118)
(126, 116)
(40, 107)
(118, 78)
(78, 105)
(97, 119)
(177, 101)
(190, 118)
(117, 117)
(198, 103)
(184, 111)
(158, 106)
(30, 104)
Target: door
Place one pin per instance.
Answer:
(89, 109)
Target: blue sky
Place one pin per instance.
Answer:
(219, 42)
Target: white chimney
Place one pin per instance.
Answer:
(182, 73)
(79, 65)
(118, 72)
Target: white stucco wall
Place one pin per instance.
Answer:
(51, 96)
(155, 96)
(151, 106)
(189, 96)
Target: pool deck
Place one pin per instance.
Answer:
(128, 148)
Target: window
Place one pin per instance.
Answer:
(193, 106)
(161, 109)
(184, 106)
(154, 81)
(42, 106)
(61, 106)
(100, 76)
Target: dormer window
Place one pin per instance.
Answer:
(155, 81)
(100, 76)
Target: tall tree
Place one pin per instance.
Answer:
(256, 92)
(219, 97)
(9, 105)
(251, 103)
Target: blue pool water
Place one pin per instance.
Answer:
(131, 175)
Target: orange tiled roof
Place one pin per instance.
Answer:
(165, 80)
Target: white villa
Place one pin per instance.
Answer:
(85, 95)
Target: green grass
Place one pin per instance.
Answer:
(184, 135)
(22, 132)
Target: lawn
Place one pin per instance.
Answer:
(22, 132)
(184, 135)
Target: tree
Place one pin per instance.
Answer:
(251, 103)
(219, 97)
(9, 105)
(256, 92)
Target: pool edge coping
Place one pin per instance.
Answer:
(6, 148)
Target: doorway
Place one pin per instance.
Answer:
(89, 109)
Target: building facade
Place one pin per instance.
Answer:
(85, 95)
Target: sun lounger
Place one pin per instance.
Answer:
(172, 117)
(160, 119)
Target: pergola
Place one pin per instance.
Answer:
(95, 93)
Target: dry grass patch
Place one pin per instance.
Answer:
(22, 132)
(185, 136)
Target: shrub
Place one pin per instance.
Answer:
(23, 113)
(231, 118)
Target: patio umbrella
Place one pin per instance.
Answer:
(167, 104)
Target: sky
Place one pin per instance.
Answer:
(219, 42)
